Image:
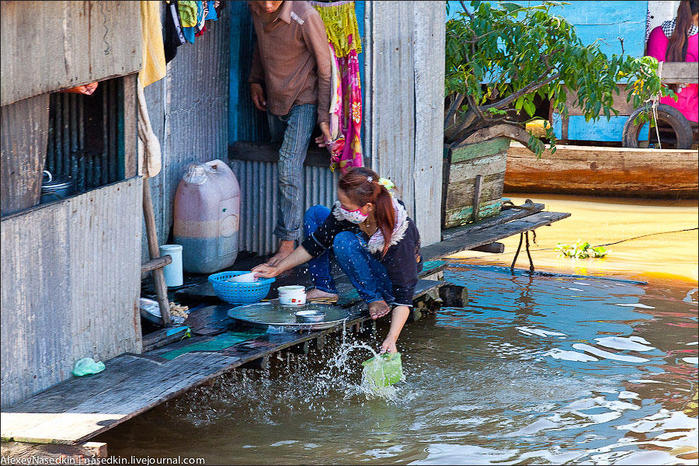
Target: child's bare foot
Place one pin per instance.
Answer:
(316, 294)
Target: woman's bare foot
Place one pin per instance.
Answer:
(378, 309)
(286, 247)
(315, 293)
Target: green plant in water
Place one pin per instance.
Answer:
(502, 56)
(581, 250)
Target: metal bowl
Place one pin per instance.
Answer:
(309, 316)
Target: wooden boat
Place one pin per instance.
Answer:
(610, 171)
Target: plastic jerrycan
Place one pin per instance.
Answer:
(206, 217)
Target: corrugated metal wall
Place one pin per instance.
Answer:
(258, 214)
(189, 113)
(24, 132)
(70, 286)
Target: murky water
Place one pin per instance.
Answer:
(535, 369)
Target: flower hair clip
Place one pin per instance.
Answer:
(370, 179)
(386, 183)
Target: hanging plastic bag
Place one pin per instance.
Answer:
(87, 366)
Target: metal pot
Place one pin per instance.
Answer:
(55, 189)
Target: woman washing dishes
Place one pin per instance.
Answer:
(376, 244)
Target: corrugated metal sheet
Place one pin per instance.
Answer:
(258, 214)
(70, 286)
(245, 122)
(47, 46)
(24, 134)
(189, 113)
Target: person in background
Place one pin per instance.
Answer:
(676, 41)
(290, 80)
(369, 234)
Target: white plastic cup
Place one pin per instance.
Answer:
(293, 295)
(172, 271)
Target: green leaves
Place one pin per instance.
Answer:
(581, 250)
(511, 50)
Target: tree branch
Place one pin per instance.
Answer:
(525, 90)
(463, 5)
(458, 99)
(510, 131)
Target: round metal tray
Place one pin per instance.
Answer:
(275, 315)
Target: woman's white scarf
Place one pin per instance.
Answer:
(377, 241)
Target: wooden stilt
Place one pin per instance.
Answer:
(151, 233)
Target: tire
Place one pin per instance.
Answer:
(666, 114)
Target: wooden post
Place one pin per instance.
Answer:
(151, 233)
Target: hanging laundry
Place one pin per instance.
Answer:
(213, 14)
(343, 35)
(153, 51)
(173, 36)
(202, 13)
(189, 18)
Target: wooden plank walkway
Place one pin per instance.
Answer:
(81, 408)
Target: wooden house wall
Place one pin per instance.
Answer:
(404, 104)
(47, 46)
(70, 286)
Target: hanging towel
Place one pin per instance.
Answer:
(188, 13)
(153, 58)
(149, 155)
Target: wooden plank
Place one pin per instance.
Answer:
(462, 215)
(428, 36)
(29, 453)
(130, 125)
(463, 153)
(158, 263)
(392, 96)
(473, 239)
(48, 46)
(604, 170)
(619, 102)
(24, 139)
(493, 248)
(679, 73)
(70, 286)
(484, 166)
(504, 217)
(462, 193)
(117, 395)
(248, 151)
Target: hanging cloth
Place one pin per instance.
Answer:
(153, 51)
(173, 36)
(149, 154)
(345, 44)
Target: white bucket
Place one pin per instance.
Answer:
(172, 271)
(293, 295)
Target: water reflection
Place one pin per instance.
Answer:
(534, 369)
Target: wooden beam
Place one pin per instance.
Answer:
(507, 215)
(494, 248)
(152, 234)
(157, 263)
(248, 151)
(679, 73)
(130, 126)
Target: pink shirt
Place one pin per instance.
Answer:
(687, 98)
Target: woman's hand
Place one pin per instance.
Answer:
(266, 271)
(389, 345)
